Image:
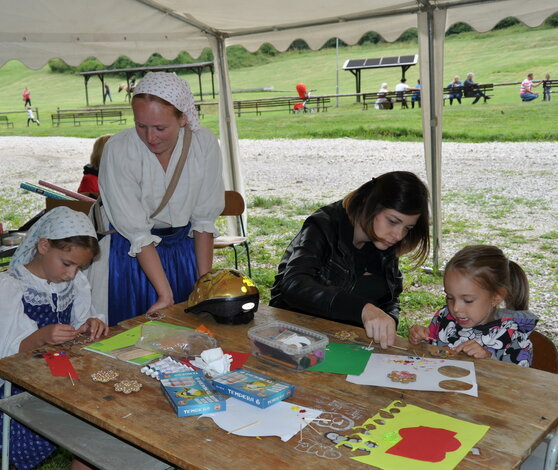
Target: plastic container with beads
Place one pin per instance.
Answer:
(288, 345)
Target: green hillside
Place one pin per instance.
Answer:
(495, 57)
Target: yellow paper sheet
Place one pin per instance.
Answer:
(387, 436)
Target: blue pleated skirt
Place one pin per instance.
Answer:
(130, 292)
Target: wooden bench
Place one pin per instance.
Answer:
(261, 105)
(4, 120)
(392, 97)
(82, 439)
(77, 116)
(469, 92)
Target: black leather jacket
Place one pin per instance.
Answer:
(317, 273)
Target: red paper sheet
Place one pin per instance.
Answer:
(60, 365)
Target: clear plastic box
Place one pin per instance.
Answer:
(288, 345)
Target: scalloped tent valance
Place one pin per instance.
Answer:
(34, 31)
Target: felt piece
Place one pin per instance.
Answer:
(60, 365)
(343, 358)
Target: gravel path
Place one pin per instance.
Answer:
(500, 193)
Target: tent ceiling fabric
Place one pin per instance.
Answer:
(34, 31)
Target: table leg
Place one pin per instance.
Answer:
(551, 452)
(6, 430)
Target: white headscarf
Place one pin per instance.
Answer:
(60, 222)
(171, 88)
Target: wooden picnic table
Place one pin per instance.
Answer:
(518, 404)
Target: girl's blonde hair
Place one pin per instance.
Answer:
(493, 272)
(97, 152)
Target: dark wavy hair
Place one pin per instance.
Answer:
(83, 241)
(489, 267)
(402, 191)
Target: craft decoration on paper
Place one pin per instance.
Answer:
(190, 393)
(60, 365)
(288, 345)
(343, 358)
(409, 437)
(213, 362)
(123, 345)
(282, 419)
(251, 387)
(441, 375)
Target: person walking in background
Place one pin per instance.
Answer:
(525, 91)
(26, 97)
(471, 89)
(31, 116)
(107, 94)
(456, 91)
(546, 88)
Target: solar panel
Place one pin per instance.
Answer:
(397, 61)
(354, 63)
(372, 62)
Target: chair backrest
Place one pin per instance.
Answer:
(545, 355)
(234, 203)
(80, 206)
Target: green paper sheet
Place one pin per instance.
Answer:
(343, 358)
(386, 436)
(127, 339)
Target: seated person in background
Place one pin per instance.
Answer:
(415, 97)
(527, 85)
(477, 280)
(546, 88)
(400, 88)
(343, 265)
(456, 91)
(383, 102)
(471, 89)
(90, 181)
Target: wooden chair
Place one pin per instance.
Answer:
(545, 355)
(234, 207)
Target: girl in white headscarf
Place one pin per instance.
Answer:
(46, 299)
(152, 261)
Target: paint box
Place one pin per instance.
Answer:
(252, 387)
(288, 345)
(190, 393)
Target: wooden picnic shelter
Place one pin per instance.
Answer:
(196, 67)
(356, 66)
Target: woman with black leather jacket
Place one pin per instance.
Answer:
(343, 265)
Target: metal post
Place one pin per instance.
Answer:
(337, 72)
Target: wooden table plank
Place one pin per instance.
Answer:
(511, 401)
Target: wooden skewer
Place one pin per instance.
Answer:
(245, 426)
(71, 379)
(399, 347)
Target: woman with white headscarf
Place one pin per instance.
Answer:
(157, 253)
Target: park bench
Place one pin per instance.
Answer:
(77, 116)
(4, 121)
(470, 92)
(403, 97)
(267, 104)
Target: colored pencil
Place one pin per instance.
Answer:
(67, 192)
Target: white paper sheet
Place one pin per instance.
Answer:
(429, 373)
(281, 419)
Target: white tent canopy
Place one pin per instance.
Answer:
(34, 31)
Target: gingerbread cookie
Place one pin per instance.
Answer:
(402, 376)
